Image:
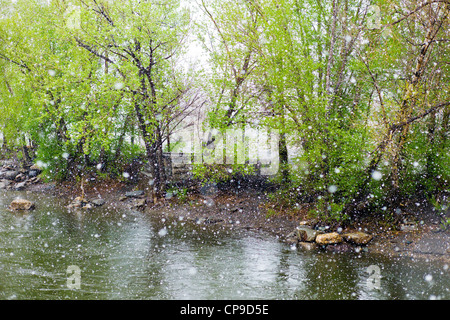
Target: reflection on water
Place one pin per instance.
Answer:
(131, 255)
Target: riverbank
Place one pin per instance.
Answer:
(419, 236)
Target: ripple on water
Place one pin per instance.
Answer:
(125, 255)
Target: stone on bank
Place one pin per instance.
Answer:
(21, 205)
(329, 238)
(307, 234)
(357, 237)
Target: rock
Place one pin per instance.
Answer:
(235, 209)
(74, 204)
(200, 220)
(33, 173)
(340, 247)
(212, 221)
(208, 220)
(409, 227)
(20, 186)
(21, 204)
(87, 206)
(81, 203)
(323, 229)
(8, 163)
(20, 177)
(291, 240)
(98, 202)
(78, 202)
(357, 237)
(134, 194)
(310, 223)
(328, 238)
(4, 184)
(302, 233)
(309, 246)
(35, 180)
(11, 175)
(35, 167)
(139, 203)
(307, 234)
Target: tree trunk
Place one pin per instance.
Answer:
(406, 110)
(26, 155)
(331, 48)
(444, 127)
(430, 152)
(4, 145)
(121, 138)
(283, 156)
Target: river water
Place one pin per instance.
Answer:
(52, 253)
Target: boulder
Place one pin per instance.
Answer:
(98, 202)
(134, 194)
(35, 180)
(35, 167)
(21, 204)
(408, 226)
(340, 247)
(329, 238)
(310, 222)
(357, 237)
(88, 206)
(139, 203)
(4, 184)
(306, 234)
(78, 202)
(11, 175)
(20, 186)
(308, 246)
(20, 177)
(33, 173)
(291, 239)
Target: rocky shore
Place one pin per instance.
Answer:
(14, 178)
(419, 236)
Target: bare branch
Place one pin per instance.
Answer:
(423, 5)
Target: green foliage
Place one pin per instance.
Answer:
(92, 85)
(216, 173)
(426, 169)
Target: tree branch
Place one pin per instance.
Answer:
(398, 126)
(20, 64)
(93, 51)
(415, 11)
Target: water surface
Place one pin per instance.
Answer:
(131, 255)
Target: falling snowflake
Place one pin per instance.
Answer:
(332, 189)
(162, 232)
(119, 85)
(377, 175)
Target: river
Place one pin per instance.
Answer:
(105, 253)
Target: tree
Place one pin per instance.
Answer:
(141, 42)
(95, 68)
(333, 78)
(410, 81)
